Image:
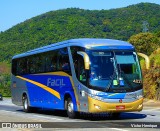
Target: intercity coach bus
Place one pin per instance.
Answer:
(79, 75)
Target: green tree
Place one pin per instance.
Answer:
(5, 79)
(152, 77)
(145, 42)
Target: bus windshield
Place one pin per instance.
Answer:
(116, 71)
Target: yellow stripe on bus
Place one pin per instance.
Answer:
(60, 73)
(55, 93)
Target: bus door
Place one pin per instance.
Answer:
(82, 75)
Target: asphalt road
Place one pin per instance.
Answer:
(46, 119)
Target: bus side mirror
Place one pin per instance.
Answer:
(86, 59)
(147, 60)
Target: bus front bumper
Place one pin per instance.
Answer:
(96, 106)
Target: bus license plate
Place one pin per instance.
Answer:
(120, 107)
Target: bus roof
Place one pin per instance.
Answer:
(89, 43)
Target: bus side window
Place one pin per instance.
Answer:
(54, 63)
(51, 61)
(81, 70)
(48, 64)
(40, 65)
(63, 61)
(14, 67)
(22, 66)
(78, 62)
(31, 64)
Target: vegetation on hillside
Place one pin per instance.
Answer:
(152, 77)
(124, 24)
(5, 78)
(145, 42)
(149, 43)
(71, 23)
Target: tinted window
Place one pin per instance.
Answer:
(57, 60)
(78, 63)
(63, 61)
(51, 61)
(14, 67)
(21, 66)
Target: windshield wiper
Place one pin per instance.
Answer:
(126, 79)
(110, 82)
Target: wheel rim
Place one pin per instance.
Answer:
(70, 106)
(25, 104)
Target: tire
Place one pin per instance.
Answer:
(26, 107)
(70, 109)
(116, 115)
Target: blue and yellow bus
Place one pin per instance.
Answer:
(79, 75)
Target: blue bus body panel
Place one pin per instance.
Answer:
(39, 97)
(112, 95)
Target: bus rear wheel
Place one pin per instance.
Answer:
(26, 107)
(70, 109)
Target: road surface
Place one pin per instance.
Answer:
(46, 119)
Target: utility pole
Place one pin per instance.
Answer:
(145, 26)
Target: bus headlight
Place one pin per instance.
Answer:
(98, 98)
(139, 96)
(95, 97)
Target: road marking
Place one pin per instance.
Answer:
(30, 115)
(118, 129)
(48, 117)
(8, 111)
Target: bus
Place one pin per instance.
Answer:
(79, 75)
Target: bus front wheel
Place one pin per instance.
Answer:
(115, 115)
(70, 109)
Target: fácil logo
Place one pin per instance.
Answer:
(55, 82)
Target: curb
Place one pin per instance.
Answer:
(151, 103)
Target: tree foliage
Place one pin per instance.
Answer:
(71, 23)
(152, 77)
(145, 42)
(5, 78)
(148, 43)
